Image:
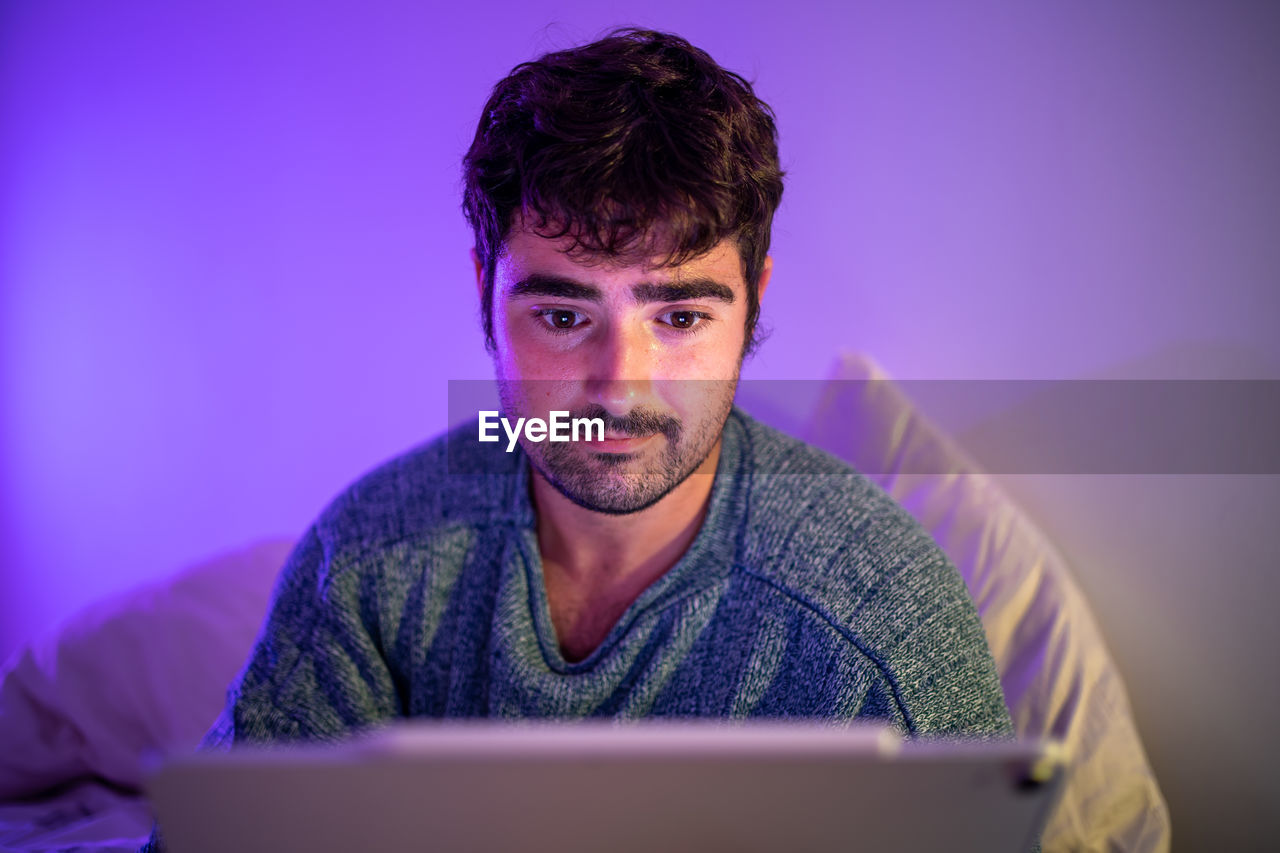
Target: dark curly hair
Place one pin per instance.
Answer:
(635, 146)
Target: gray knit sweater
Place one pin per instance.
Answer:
(807, 593)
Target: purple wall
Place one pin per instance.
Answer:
(235, 273)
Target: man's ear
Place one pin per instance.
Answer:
(765, 272)
(475, 259)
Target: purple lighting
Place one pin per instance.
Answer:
(234, 274)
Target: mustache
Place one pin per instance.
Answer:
(636, 423)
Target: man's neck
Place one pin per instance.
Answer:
(595, 565)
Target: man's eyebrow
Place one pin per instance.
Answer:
(555, 287)
(686, 290)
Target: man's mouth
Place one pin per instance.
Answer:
(620, 442)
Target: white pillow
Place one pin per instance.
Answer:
(1059, 679)
(141, 673)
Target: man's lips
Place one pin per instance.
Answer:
(619, 443)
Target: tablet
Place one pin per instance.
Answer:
(628, 787)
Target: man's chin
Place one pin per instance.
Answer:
(627, 506)
(610, 483)
(612, 492)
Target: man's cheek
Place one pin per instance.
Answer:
(539, 397)
(691, 399)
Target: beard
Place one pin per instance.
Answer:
(625, 483)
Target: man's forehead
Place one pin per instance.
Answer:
(525, 253)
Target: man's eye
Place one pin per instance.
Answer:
(560, 319)
(684, 321)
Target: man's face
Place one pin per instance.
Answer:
(653, 351)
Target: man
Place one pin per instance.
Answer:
(691, 562)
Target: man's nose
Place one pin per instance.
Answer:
(620, 375)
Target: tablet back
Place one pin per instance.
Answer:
(586, 788)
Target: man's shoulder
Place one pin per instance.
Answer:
(795, 485)
(824, 534)
(446, 482)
